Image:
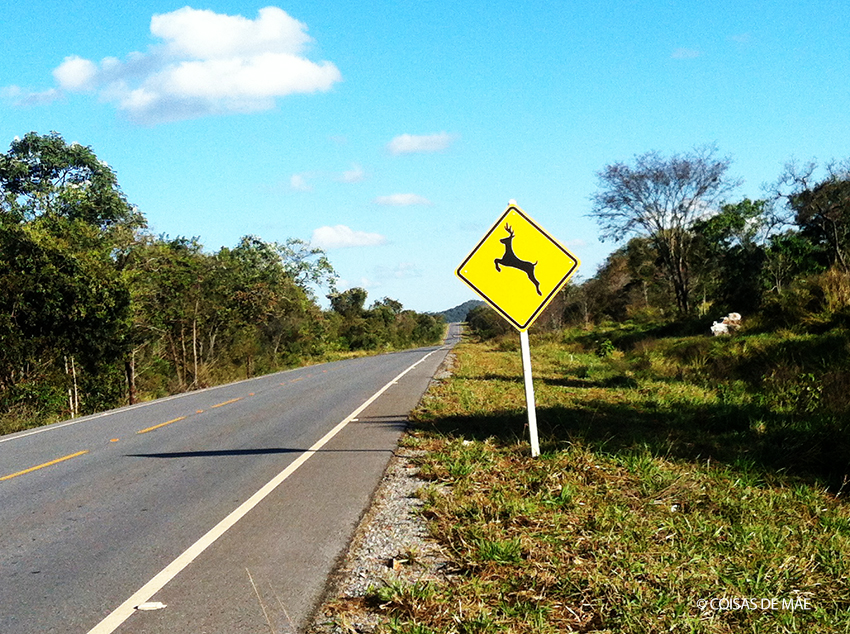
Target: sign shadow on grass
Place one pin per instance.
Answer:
(719, 432)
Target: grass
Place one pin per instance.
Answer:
(674, 470)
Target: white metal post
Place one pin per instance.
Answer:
(529, 393)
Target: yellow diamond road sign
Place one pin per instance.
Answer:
(518, 267)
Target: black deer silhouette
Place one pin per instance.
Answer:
(510, 259)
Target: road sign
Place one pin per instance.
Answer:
(518, 267)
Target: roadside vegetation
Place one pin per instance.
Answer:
(674, 470)
(687, 483)
(96, 312)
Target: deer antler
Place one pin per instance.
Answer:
(510, 231)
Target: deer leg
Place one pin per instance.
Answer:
(534, 279)
(496, 262)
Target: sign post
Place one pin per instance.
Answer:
(525, 350)
(518, 269)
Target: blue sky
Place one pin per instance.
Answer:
(394, 134)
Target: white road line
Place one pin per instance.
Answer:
(144, 594)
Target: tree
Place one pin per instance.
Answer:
(349, 303)
(166, 277)
(307, 265)
(44, 177)
(64, 228)
(269, 302)
(486, 322)
(788, 257)
(822, 210)
(732, 255)
(202, 312)
(661, 199)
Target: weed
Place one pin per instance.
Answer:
(605, 348)
(503, 552)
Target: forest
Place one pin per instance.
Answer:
(97, 312)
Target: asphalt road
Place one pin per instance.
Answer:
(230, 506)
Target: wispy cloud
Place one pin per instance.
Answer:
(402, 200)
(207, 63)
(364, 282)
(341, 236)
(685, 53)
(576, 243)
(413, 144)
(403, 270)
(299, 183)
(26, 98)
(354, 175)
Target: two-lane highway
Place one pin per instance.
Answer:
(230, 506)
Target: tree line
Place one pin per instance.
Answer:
(689, 254)
(97, 312)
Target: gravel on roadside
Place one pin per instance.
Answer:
(391, 543)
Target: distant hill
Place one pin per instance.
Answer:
(458, 313)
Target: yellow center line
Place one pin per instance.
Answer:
(168, 422)
(233, 400)
(42, 466)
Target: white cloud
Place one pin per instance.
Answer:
(340, 236)
(412, 143)
(206, 64)
(354, 175)
(75, 73)
(205, 35)
(402, 200)
(299, 183)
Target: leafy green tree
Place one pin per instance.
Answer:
(731, 256)
(660, 199)
(823, 214)
(270, 304)
(486, 322)
(349, 303)
(42, 176)
(392, 306)
(429, 328)
(306, 265)
(167, 278)
(630, 284)
(205, 312)
(790, 256)
(53, 303)
(64, 226)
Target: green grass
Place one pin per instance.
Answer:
(673, 470)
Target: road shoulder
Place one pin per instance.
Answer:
(390, 544)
